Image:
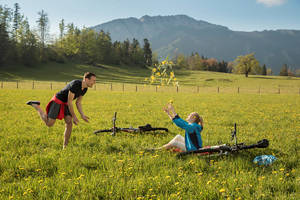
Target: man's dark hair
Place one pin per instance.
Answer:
(88, 75)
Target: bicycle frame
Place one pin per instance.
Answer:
(140, 129)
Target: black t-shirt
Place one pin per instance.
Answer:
(75, 87)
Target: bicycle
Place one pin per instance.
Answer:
(225, 149)
(140, 129)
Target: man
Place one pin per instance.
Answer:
(61, 106)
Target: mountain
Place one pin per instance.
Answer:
(182, 34)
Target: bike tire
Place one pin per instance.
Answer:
(264, 143)
(103, 131)
(157, 129)
(213, 149)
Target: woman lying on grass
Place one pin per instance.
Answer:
(192, 126)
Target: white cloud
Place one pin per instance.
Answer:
(270, 3)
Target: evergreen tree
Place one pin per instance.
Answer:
(17, 19)
(147, 53)
(61, 31)
(43, 29)
(5, 46)
(264, 70)
(284, 70)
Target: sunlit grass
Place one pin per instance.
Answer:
(34, 166)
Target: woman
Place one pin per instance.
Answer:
(192, 126)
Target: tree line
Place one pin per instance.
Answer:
(20, 44)
(244, 64)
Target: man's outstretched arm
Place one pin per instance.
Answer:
(70, 105)
(79, 108)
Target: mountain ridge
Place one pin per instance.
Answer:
(173, 34)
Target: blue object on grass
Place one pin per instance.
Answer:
(264, 159)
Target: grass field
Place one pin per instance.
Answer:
(34, 166)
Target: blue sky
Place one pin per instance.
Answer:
(241, 15)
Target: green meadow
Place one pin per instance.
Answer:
(34, 166)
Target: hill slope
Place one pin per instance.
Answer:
(183, 34)
(135, 75)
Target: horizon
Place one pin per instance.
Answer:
(260, 15)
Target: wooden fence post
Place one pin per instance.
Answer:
(218, 89)
(111, 87)
(123, 87)
(95, 87)
(156, 88)
(238, 90)
(177, 89)
(136, 88)
(259, 90)
(17, 84)
(51, 85)
(278, 90)
(32, 84)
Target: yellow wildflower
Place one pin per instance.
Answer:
(222, 190)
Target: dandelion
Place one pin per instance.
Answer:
(37, 170)
(287, 174)
(222, 190)
(24, 193)
(168, 177)
(281, 169)
(171, 74)
(208, 182)
(176, 183)
(154, 70)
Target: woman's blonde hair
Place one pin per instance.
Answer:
(198, 119)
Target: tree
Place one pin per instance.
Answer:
(17, 19)
(245, 64)
(61, 30)
(4, 37)
(28, 44)
(264, 70)
(43, 29)
(181, 61)
(269, 72)
(147, 53)
(284, 70)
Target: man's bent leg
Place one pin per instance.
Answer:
(48, 121)
(68, 130)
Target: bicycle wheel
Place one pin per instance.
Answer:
(264, 143)
(160, 129)
(211, 149)
(103, 131)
